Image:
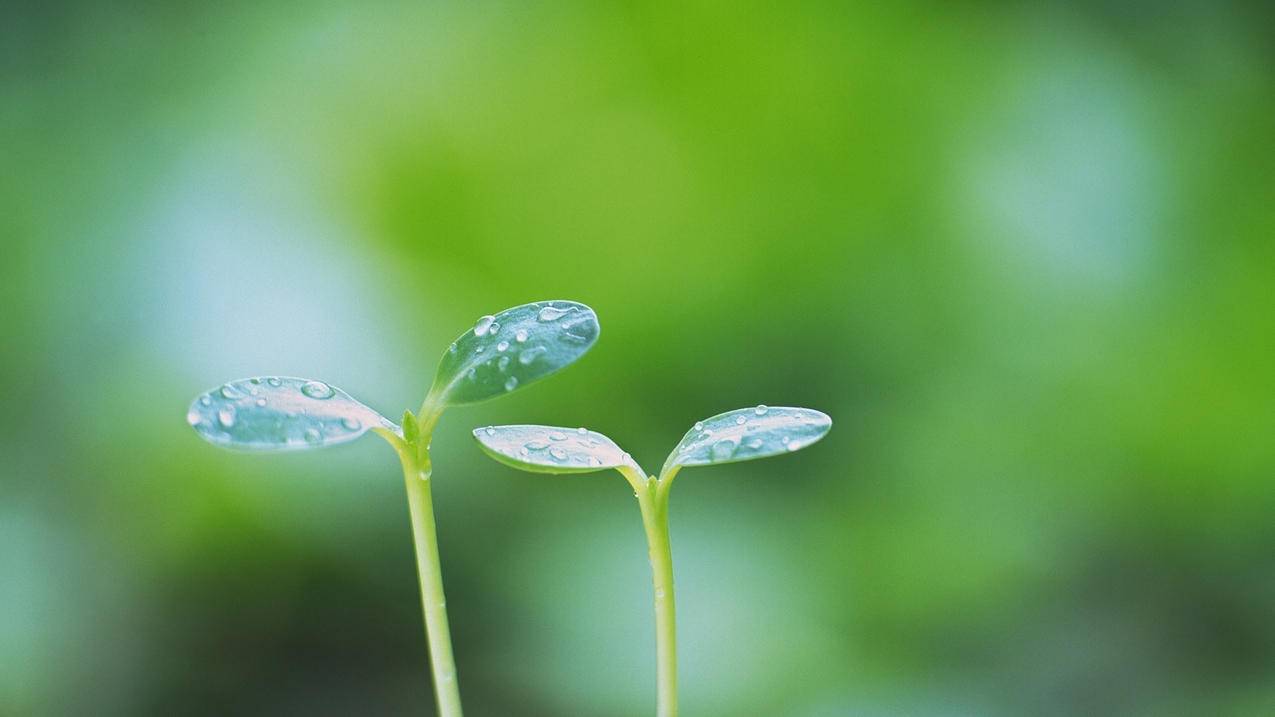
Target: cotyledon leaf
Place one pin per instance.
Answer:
(513, 348)
(278, 413)
(551, 449)
(748, 433)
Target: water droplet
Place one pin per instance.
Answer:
(582, 430)
(558, 454)
(495, 328)
(723, 449)
(522, 451)
(537, 445)
(452, 349)
(312, 435)
(520, 336)
(761, 409)
(755, 443)
(261, 402)
(231, 392)
(503, 363)
(351, 423)
(502, 346)
(740, 420)
(471, 374)
(557, 436)
(593, 461)
(205, 400)
(511, 383)
(531, 354)
(708, 431)
(317, 389)
(254, 381)
(226, 417)
(491, 430)
(479, 349)
(274, 382)
(551, 313)
(483, 325)
(193, 417)
(699, 425)
(785, 440)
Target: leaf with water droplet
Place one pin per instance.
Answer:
(544, 336)
(748, 433)
(278, 413)
(549, 449)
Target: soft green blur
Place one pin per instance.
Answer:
(1023, 255)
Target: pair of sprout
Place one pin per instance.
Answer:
(500, 354)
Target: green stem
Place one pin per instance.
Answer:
(416, 475)
(654, 505)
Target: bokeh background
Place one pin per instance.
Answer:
(1022, 254)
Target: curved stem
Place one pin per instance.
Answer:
(654, 505)
(416, 475)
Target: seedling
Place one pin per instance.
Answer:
(740, 435)
(500, 354)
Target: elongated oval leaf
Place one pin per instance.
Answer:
(551, 449)
(513, 348)
(278, 413)
(748, 433)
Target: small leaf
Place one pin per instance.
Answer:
(277, 413)
(748, 433)
(512, 349)
(549, 449)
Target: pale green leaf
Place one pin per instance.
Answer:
(550, 449)
(748, 433)
(278, 413)
(512, 349)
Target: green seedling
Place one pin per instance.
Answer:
(740, 435)
(500, 354)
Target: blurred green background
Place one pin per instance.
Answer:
(1022, 253)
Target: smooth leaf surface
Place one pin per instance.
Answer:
(748, 433)
(512, 349)
(552, 449)
(278, 413)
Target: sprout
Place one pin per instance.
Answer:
(740, 435)
(501, 353)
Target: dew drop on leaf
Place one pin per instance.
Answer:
(557, 436)
(537, 445)
(205, 400)
(503, 345)
(503, 363)
(723, 449)
(558, 454)
(317, 389)
(511, 383)
(760, 410)
(351, 423)
(312, 436)
(520, 336)
(699, 425)
(549, 313)
(231, 392)
(483, 325)
(740, 420)
(193, 417)
(582, 430)
(226, 417)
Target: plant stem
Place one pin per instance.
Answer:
(416, 475)
(654, 505)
